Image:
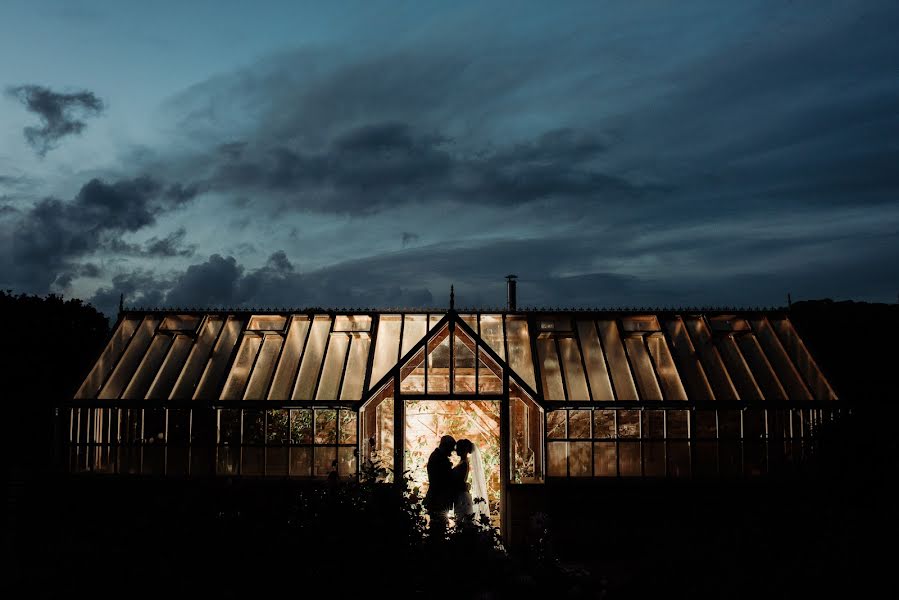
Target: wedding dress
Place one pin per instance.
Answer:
(472, 501)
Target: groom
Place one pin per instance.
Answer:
(439, 498)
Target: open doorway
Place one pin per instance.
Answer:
(476, 420)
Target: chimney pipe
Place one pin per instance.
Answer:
(512, 292)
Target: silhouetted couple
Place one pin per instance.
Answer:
(449, 490)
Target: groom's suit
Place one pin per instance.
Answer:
(440, 486)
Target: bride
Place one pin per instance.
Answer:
(470, 499)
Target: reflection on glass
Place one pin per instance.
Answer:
(325, 460)
(671, 383)
(580, 460)
(228, 427)
(312, 358)
(653, 459)
(579, 424)
(600, 385)
(618, 365)
(604, 424)
(282, 383)
(171, 368)
(471, 321)
(761, 368)
(301, 462)
(108, 359)
(803, 360)
(738, 370)
(387, 347)
(557, 459)
(653, 424)
(180, 323)
(575, 381)
(267, 323)
(629, 460)
(352, 323)
(414, 328)
(333, 368)
(148, 368)
(628, 423)
(265, 364)
(463, 364)
(550, 372)
(325, 426)
(218, 362)
(605, 459)
(706, 424)
(346, 461)
(237, 379)
(643, 371)
(492, 333)
(520, 349)
(131, 358)
(354, 379)
(253, 427)
(556, 426)
(687, 360)
(677, 424)
(778, 358)
(712, 362)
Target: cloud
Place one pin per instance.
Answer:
(42, 244)
(61, 114)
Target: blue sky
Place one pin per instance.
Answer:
(371, 154)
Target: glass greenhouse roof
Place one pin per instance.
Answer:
(562, 356)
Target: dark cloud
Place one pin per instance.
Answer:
(42, 244)
(410, 238)
(61, 114)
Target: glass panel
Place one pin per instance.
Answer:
(803, 361)
(325, 426)
(277, 460)
(557, 459)
(729, 425)
(351, 323)
(489, 374)
(604, 424)
(628, 423)
(605, 459)
(654, 459)
(653, 425)
(438, 363)
(108, 359)
(580, 462)
(778, 358)
(333, 369)
(643, 371)
(301, 462)
(265, 364)
(171, 368)
(575, 381)
(629, 460)
(346, 461)
(761, 368)
(526, 439)
(312, 358)
(301, 426)
(705, 423)
(253, 428)
(240, 371)
(711, 360)
(671, 384)
(463, 364)
(347, 430)
(131, 358)
(252, 460)
(148, 368)
(556, 426)
(519, 342)
(579, 424)
(677, 424)
(618, 365)
(267, 323)
(218, 362)
(738, 370)
(640, 323)
(290, 358)
(387, 346)
(414, 328)
(325, 461)
(678, 459)
(229, 427)
(471, 321)
(412, 375)
(600, 385)
(492, 333)
(687, 360)
(277, 427)
(180, 323)
(550, 372)
(433, 319)
(354, 378)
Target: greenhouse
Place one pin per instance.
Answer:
(548, 396)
